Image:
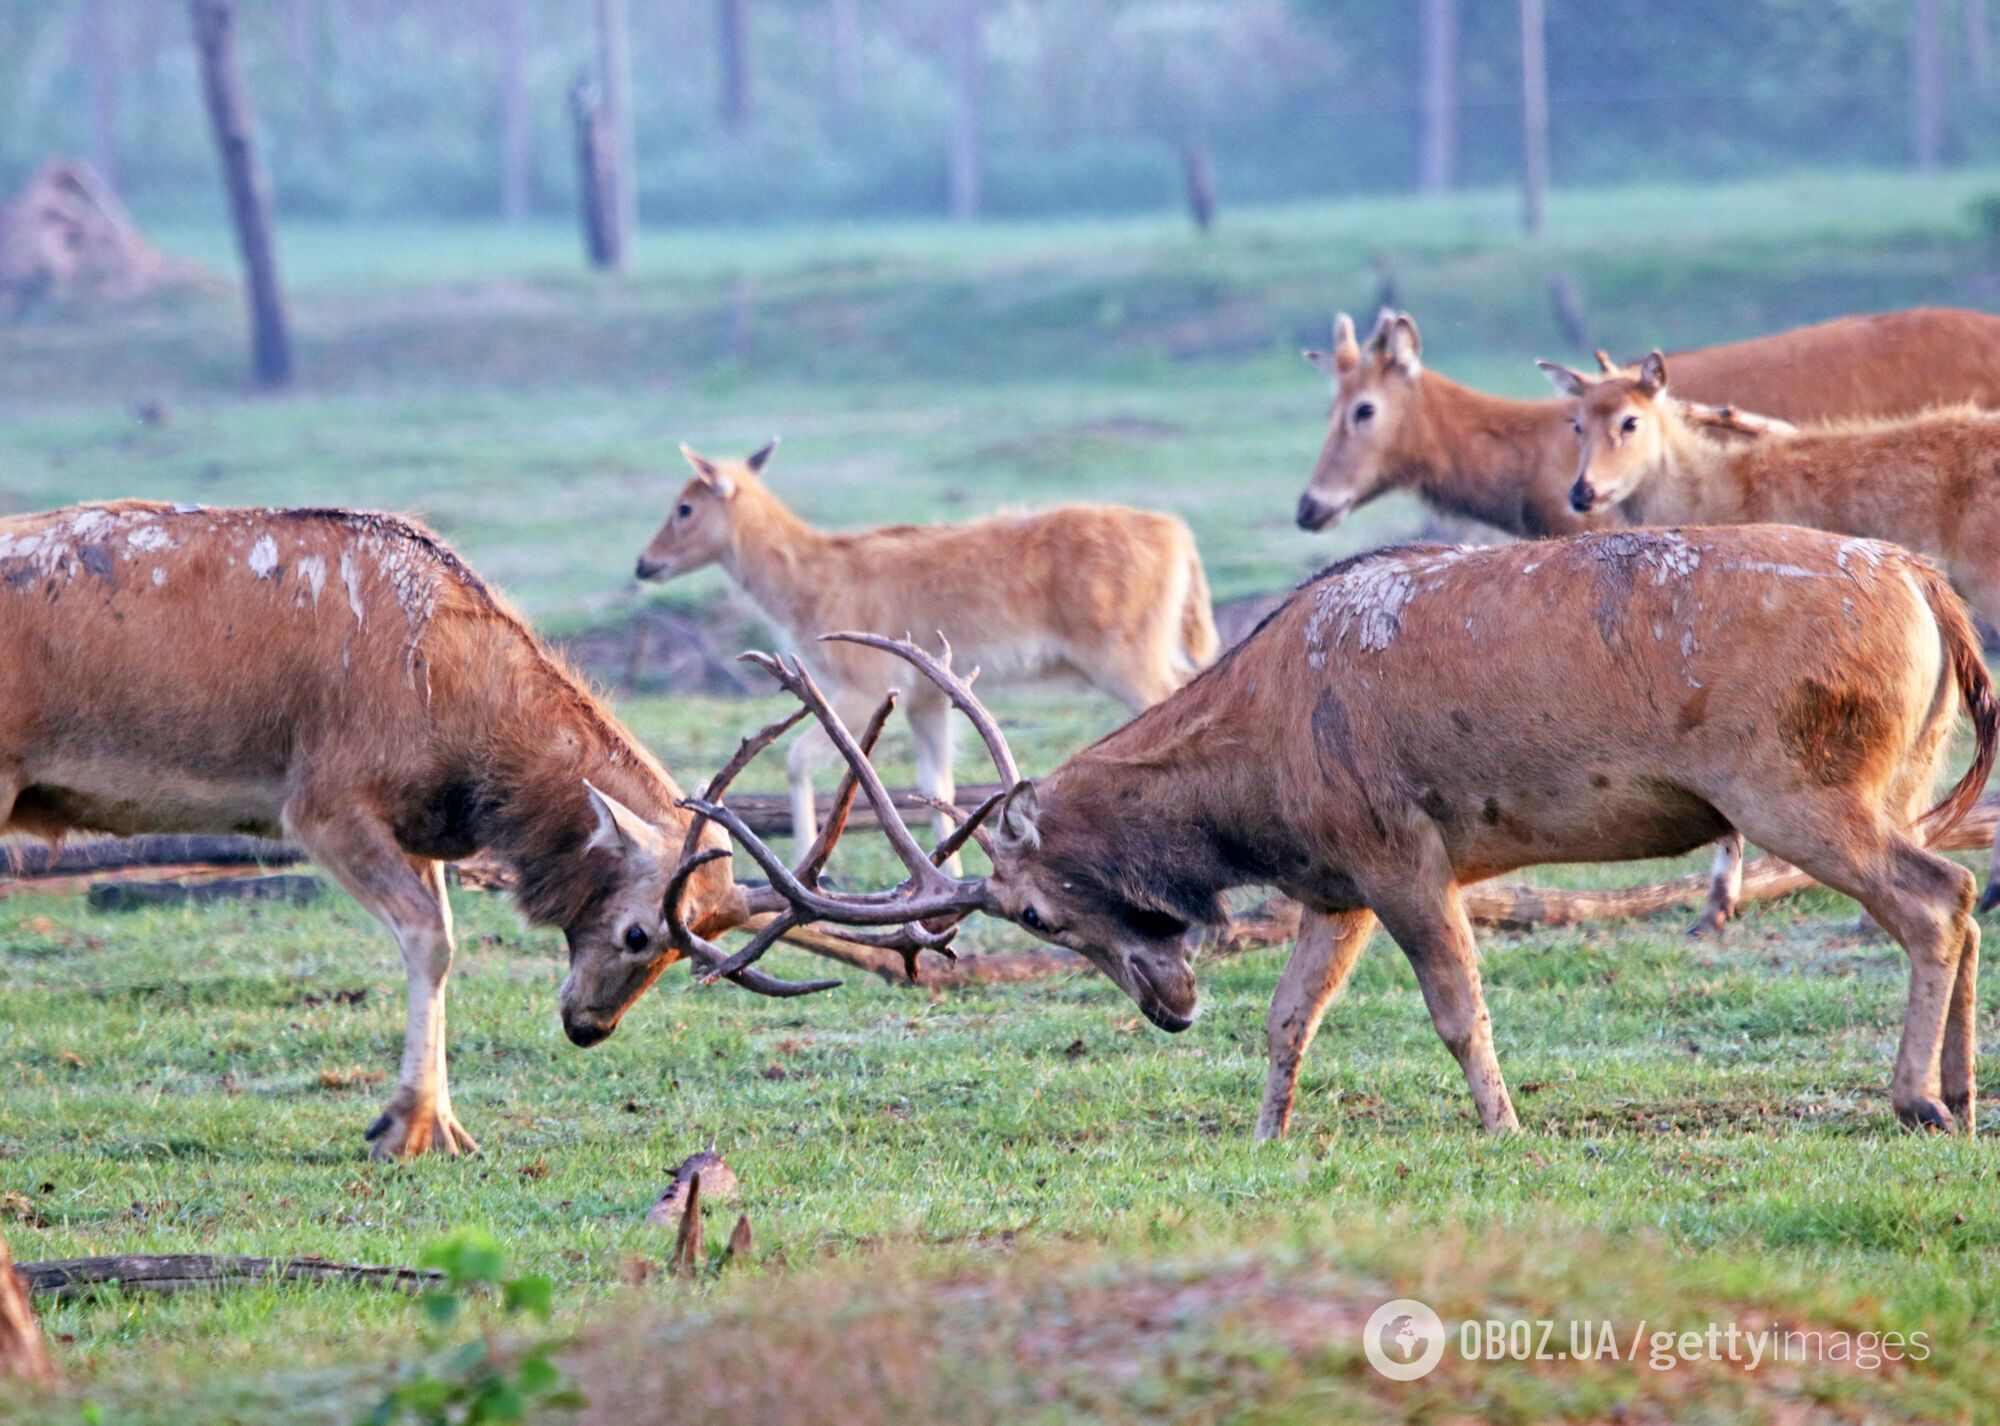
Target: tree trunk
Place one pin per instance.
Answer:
(615, 53)
(967, 116)
(229, 117)
(517, 132)
(1438, 146)
(97, 37)
(732, 49)
(1978, 47)
(603, 236)
(844, 55)
(1927, 83)
(1200, 172)
(1534, 119)
(23, 1355)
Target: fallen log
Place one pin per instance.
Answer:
(178, 1272)
(23, 1354)
(23, 860)
(126, 895)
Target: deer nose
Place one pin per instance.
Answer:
(1582, 496)
(584, 1033)
(1313, 514)
(647, 569)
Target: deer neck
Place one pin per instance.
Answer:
(1690, 485)
(1504, 462)
(778, 561)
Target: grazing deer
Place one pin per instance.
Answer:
(1398, 425)
(1422, 717)
(1114, 595)
(345, 680)
(1929, 482)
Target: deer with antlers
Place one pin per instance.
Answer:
(1422, 717)
(344, 679)
(1114, 595)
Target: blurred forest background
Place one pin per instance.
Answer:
(745, 110)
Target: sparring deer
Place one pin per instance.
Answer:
(1397, 425)
(1929, 482)
(1422, 717)
(1114, 595)
(346, 680)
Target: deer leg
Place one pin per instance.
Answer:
(407, 895)
(1431, 927)
(1922, 900)
(930, 724)
(1322, 960)
(1725, 887)
(1957, 1063)
(811, 750)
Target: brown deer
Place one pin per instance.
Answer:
(1929, 482)
(1422, 717)
(1397, 425)
(344, 679)
(1114, 595)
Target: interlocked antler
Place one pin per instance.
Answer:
(926, 907)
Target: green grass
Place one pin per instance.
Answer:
(1708, 1133)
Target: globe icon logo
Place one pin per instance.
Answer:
(1403, 1339)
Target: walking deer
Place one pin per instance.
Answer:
(1929, 482)
(1396, 424)
(1114, 595)
(344, 679)
(1422, 717)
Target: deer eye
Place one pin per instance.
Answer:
(1032, 919)
(685, 510)
(1363, 410)
(1576, 426)
(636, 939)
(1629, 425)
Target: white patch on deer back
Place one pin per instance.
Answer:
(1869, 550)
(188, 508)
(90, 522)
(149, 538)
(263, 557)
(350, 575)
(1665, 554)
(1368, 601)
(159, 575)
(312, 577)
(1782, 571)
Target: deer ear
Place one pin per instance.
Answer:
(1404, 346)
(619, 829)
(1019, 814)
(1569, 383)
(1653, 374)
(709, 472)
(762, 457)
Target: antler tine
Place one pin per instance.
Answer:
(958, 690)
(709, 955)
(966, 825)
(793, 675)
(814, 861)
(1736, 420)
(745, 754)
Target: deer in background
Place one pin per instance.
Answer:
(1397, 425)
(1113, 595)
(1422, 717)
(344, 679)
(1929, 482)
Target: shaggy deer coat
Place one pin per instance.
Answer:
(1397, 425)
(1422, 717)
(345, 680)
(1112, 595)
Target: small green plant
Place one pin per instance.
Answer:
(479, 1381)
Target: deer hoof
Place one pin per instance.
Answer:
(405, 1131)
(1709, 924)
(1926, 1114)
(1964, 1113)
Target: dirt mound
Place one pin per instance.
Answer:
(65, 235)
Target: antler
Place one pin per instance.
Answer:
(1736, 420)
(926, 907)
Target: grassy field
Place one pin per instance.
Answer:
(1016, 1201)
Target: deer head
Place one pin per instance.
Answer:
(699, 528)
(1374, 387)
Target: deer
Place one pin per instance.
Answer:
(1929, 482)
(1110, 594)
(1421, 717)
(344, 679)
(1398, 425)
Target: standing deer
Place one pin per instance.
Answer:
(1114, 595)
(1930, 482)
(344, 679)
(1422, 717)
(1397, 425)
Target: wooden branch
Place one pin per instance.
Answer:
(177, 1272)
(23, 1354)
(33, 859)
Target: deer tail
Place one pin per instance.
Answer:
(1975, 688)
(1199, 641)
